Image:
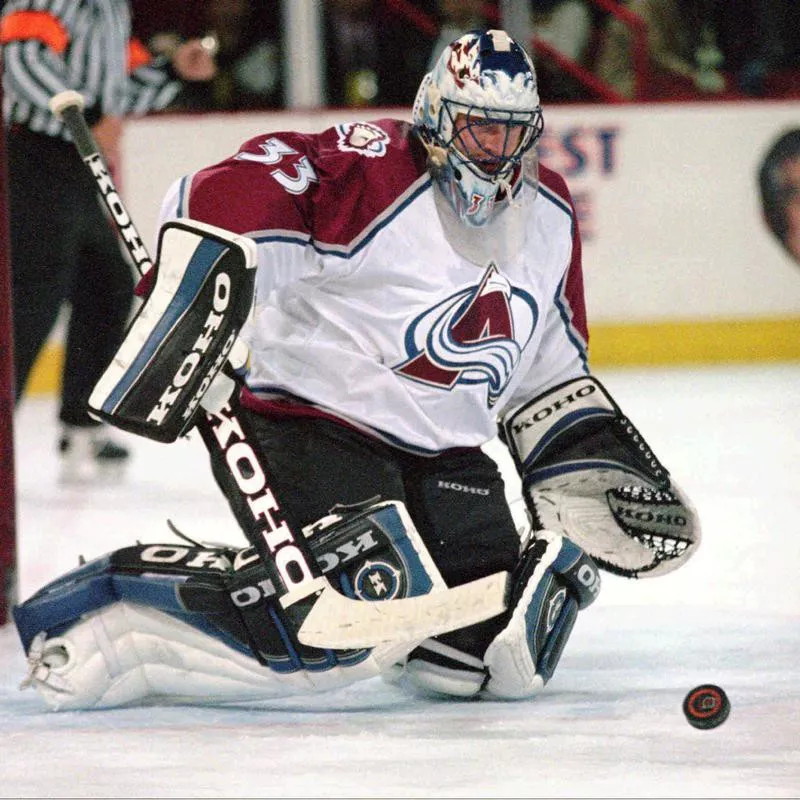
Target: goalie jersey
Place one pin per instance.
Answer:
(374, 306)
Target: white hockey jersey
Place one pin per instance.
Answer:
(374, 305)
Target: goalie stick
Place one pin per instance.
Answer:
(334, 621)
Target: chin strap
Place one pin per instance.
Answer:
(507, 188)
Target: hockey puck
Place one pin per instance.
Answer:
(706, 706)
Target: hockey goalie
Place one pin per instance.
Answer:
(404, 293)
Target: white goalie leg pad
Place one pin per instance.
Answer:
(127, 654)
(509, 658)
(556, 579)
(553, 580)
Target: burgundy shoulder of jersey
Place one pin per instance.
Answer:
(264, 186)
(367, 171)
(340, 180)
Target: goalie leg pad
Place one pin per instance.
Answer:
(150, 575)
(182, 335)
(114, 632)
(127, 653)
(555, 579)
(371, 554)
(437, 668)
(163, 621)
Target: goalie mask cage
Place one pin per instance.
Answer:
(8, 533)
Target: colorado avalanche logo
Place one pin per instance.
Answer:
(361, 137)
(475, 336)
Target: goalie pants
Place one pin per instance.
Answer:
(456, 498)
(63, 248)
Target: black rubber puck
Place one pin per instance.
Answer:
(706, 706)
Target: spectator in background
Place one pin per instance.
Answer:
(373, 57)
(779, 185)
(248, 57)
(63, 247)
(681, 44)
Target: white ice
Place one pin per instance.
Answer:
(609, 724)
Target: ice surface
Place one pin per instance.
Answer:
(609, 724)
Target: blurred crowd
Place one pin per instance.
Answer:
(376, 50)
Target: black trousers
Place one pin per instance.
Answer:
(456, 499)
(63, 249)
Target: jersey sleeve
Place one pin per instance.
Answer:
(266, 192)
(309, 201)
(563, 353)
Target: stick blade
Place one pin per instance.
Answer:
(339, 622)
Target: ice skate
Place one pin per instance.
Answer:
(90, 454)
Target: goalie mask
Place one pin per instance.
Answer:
(478, 113)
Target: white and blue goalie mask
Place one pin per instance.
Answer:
(478, 113)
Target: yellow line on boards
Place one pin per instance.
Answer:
(45, 377)
(695, 342)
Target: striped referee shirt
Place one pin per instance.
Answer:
(85, 45)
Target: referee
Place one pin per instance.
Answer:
(63, 247)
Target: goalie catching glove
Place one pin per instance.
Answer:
(588, 473)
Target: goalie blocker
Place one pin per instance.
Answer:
(182, 335)
(589, 474)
